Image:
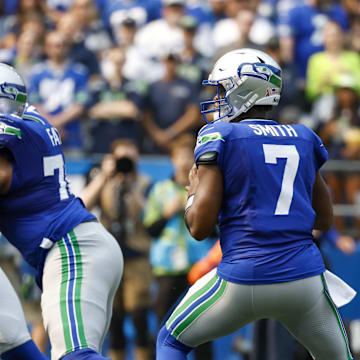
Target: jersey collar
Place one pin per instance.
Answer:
(259, 121)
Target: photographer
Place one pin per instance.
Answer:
(120, 192)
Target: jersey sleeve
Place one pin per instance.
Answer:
(320, 152)
(10, 134)
(212, 137)
(11, 139)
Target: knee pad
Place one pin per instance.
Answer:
(84, 354)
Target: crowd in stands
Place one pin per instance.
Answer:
(103, 70)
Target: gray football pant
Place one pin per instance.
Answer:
(13, 329)
(81, 275)
(214, 307)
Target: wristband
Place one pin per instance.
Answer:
(189, 202)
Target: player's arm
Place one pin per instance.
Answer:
(206, 191)
(322, 204)
(5, 175)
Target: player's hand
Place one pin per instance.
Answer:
(193, 180)
(346, 244)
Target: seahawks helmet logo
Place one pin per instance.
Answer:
(13, 92)
(261, 71)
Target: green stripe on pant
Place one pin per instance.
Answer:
(191, 299)
(199, 310)
(337, 316)
(78, 282)
(63, 294)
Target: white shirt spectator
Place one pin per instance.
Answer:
(158, 37)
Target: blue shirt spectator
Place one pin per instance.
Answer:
(58, 88)
(301, 30)
(143, 11)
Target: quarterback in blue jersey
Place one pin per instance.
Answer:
(53, 231)
(260, 182)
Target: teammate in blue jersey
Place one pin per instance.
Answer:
(55, 234)
(260, 181)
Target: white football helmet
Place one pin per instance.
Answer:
(244, 78)
(13, 95)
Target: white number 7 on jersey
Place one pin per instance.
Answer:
(51, 163)
(272, 153)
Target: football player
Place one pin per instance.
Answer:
(260, 180)
(79, 264)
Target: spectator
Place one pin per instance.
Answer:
(35, 23)
(229, 26)
(173, 250)
(194, 67)
(137, 64)
(163, 34)
(172, 107)
(299, 39)
(7, 23)
(58, 89)
(341, 136)
(27, 53)
(326, 66)
(95, 37)
(70, 26)
(55, 9)
(352, 7)
(207, 14)
(118, 102)
(120, 192)
(354, 35)
(142, 11)
(12, 25)
(207, 11)
(293, 96)
(239, 28)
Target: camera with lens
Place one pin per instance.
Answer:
(125, 165)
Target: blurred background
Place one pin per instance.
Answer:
(121, 81)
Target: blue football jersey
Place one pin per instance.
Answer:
(39, 205)
(266, 219)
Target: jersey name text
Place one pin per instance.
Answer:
(274, 130)
(54, 136)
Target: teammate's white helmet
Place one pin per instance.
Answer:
(244, 78)
(13, 96)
